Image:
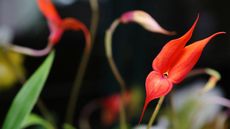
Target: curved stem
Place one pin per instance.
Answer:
(94, 20)
(109, 55)
(215, 77)
(122, 114)
(220, 101)
(116, 73)
(84, 62)
(173, 115)
(153, 117)
(45, 112)
(84, 121)
(210, 84)
(77, 85)
(31, 52)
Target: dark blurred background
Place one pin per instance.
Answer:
(133, 47)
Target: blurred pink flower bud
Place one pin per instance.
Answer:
(145, 20)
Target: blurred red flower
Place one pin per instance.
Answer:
(111, 107)
(57, 25)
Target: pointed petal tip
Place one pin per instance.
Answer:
(198, 16)
(143, 111)
(171, 33)
(217, 33)
(165, 32)
(190, 31)
(221, 32)
(189, 58)
(194, 24)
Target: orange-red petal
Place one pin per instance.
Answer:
(49, 11)
(54, 20)
(156, 86)
(188, 59)
(74, 24)
(171, 51)
(55, 33)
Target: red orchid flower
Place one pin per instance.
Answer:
(57, 25)
(172, 64)
(111, 107)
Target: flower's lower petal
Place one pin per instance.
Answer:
(156, 86)
(143, 111)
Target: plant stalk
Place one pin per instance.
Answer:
(153, 117)
(84, 62)
(115, 71)
(214, 78)
(31, 52)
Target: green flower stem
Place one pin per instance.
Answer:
(116, 73)
(109, 55)
(84, 62)
(84, 120)
(173, 115)
(95, 18)
(214, 78)
(210, 84)
(45, 112)
(123, 124)
(153, 117)
(77, 85)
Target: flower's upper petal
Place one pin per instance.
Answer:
(156, 86)
(188, 59)
(54, 21)
(49, 11)
(169, 53)
(145, 20)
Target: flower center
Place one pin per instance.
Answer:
(165, 75)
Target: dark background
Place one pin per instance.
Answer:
(133, 47)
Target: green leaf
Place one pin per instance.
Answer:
(34, 119)
(26, 98)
